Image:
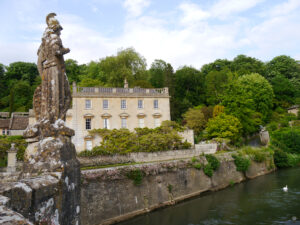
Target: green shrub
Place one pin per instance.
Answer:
(170, 188)
(213, 161)
(257, 154)
(272, 126)
(287, 139)
(197, 166)
(242, 163)
(5, 144)
(194, 159)
(123, 141)
(3, 162)
(293, 160)
(208, 170)
(223, 126)
(281, 159)
(186, 145)
(136, 175)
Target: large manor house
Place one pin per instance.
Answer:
(113, 108)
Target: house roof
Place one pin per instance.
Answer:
(19, 122)
(4, 123)
(294, 107)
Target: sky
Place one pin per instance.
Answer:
(180, 32)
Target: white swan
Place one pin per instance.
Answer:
(285, 189)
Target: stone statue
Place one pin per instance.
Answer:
(52, 99)
(50, 148)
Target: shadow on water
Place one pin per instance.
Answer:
(258, 201)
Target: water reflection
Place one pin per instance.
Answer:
(259, 201)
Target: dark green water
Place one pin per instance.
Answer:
(258, 201)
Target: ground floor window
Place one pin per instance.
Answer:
(156, 122)
(141, 123)
(123, 123)
(88, 123)
(88, 145)
(106, 123)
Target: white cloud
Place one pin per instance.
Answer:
(135, 7)
(224, 8)
(284, 8)
(13, 52)
(85, 44)
(192, 13)
(188, 33)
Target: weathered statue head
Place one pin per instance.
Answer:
(53, 23)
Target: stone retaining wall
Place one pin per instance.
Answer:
(145, 156)
(108, 196)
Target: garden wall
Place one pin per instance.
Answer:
(145, 156)
(109, 196)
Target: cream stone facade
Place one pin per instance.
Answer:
(114, 108)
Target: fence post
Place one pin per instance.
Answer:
(12, 158)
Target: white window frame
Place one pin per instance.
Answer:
(140, 104)
(106, 123)
(155, 104)
(86, 104)
(123, 122)
(123, 104)
(89, 145)
(141, 122)
(88, 123)
(3, 132)
(105, 106)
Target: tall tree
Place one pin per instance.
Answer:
(217, 65)
(190, 90)
(22, 71)
(250, 99)
(157, 73)
(216, 82)
(73, 70)
(287, 67)
(126, 64)
(243, 64)
(284, 91)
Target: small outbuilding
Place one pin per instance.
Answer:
(294, 109)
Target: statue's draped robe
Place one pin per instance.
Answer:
(53, 97)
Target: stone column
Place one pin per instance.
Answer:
(12, 158)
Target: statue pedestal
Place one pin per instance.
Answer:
(53, 151)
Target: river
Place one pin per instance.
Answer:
(257, 201)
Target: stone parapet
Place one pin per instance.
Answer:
(207, 148)
(143, 157)
(120, 92)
